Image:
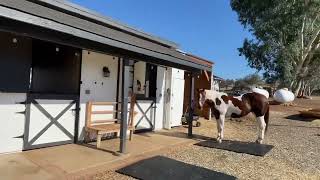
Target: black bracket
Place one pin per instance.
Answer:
(22, 112)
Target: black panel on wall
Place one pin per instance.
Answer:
(15, 62)
(55, 68)
(151, 76)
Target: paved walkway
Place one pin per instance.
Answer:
(72, 161)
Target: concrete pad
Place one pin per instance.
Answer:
(133, 147)
(18, 167)
(162, 140)
(142, 143)
(78, 161)
(69, 158)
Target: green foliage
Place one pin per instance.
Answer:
(285, 37)
(228, 83)
(248, 81)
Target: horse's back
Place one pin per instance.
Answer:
(258, 102)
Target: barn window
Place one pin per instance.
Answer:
(145, 80)
(55, 68)
(15, 63)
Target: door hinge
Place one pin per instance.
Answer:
(19, 137)
(76, 109)
(22, 112)
(23, 102)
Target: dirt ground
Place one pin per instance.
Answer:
(296, 152)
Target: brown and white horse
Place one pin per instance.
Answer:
(223, 105)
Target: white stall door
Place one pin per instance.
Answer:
(159, 119)
(144, 119)
(177, 95)
(51, 122)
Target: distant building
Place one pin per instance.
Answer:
(215, 82)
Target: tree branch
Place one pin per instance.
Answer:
(312, 23)
(313, 40)
(302, 36)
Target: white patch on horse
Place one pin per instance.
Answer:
(232, 109)
(220, 127)
(222, 108)
(261, 129)
(212, 95)
(238, 97)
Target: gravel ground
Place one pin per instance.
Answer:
(296, 154)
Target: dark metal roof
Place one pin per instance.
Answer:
(217, 78)
(66, 18)
(200, 60)
(94, 16)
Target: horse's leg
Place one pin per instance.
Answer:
(261, 127)
(220, 126)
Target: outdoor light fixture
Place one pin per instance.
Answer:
(57, 49)
(15, 40)
(106, 72)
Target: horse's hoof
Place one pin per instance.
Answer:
(219, 140)
(259, 141)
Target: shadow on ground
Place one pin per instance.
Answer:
(298, 117)
(159, 168)
(284, 125)
(185, 135)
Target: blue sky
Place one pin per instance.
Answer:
(208, 29)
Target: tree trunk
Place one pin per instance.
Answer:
(309, 91)
(291, 85)
(297, 88)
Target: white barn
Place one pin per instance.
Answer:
(56, 57)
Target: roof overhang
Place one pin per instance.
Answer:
(200, 60)
(90, 15)
(45, 17)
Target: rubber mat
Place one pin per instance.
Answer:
(163, 168)
(239, 147)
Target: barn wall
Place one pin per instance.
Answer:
(105, 89)
(15, 63)
(94, 86)
(200, 82)
(12, 122)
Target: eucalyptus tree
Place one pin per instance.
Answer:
(286, 38)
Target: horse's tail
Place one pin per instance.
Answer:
(266, 119)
